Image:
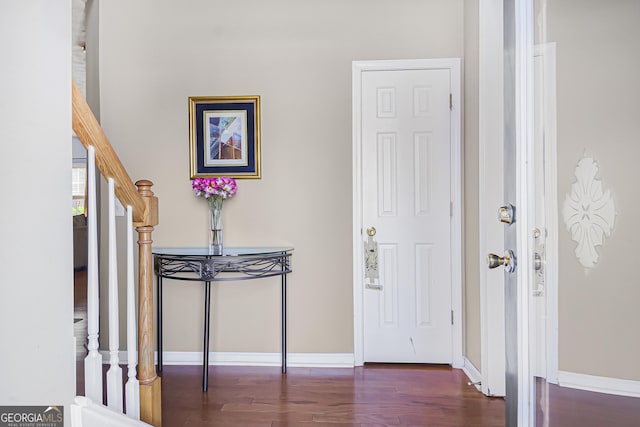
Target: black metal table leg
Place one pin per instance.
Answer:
(159, 327)
(284, 322)
(205, 351)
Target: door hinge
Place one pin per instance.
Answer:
(451, 209)
(452, 317)
(451, 101)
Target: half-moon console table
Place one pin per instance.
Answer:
(235, 263)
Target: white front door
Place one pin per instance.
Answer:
(518, 192)
(406, 197)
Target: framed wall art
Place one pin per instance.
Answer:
(224, 136)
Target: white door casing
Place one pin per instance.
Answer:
(491, 196)
(384, 165)
(544, 303)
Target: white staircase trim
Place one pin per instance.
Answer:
(86, 413)
(132, 388)
(114, 374)
(92, 365)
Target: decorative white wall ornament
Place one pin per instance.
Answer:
(589, 213)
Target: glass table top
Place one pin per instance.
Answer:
(226, 251)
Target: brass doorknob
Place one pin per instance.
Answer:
(371, 231)
(508, 260)
(494, 261)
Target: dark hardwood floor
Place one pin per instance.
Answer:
(374, 395)
(562, 406)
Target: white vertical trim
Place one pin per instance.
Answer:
(548, 53)
(358, 256)
(491, 195)
(524, 17)
(551, 201)
(114, 374)
(454, 65)
(93, 361)
(132, 388)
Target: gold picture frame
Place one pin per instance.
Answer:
(224, 136)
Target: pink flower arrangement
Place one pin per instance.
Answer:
(215, 188)
(215, 191)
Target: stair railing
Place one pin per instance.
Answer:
(142, 211)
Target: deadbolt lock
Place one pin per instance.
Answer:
(506, 214)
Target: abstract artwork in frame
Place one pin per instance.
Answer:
(224, 136)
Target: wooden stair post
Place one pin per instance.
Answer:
(145, 217)
(150, 388)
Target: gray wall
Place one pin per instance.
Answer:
(598, 90)
(297, 56)
(471, 176)
(37, 364)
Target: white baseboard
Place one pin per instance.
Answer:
(599, 384)
(307, 360)
(475, 378)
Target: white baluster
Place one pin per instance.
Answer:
(93, 361)
(114, 374)
(132, 389)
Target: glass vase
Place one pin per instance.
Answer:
(215, 236)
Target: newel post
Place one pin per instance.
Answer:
(150, 389)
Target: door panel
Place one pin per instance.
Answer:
(516, 234)
(406, 197)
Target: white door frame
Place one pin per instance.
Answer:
(454, 65)
(519, 68)
(518, 108)
(548, 51)
(491, 195)
(490, 153)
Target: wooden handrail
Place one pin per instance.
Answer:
(89, 131)
(145, 217)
